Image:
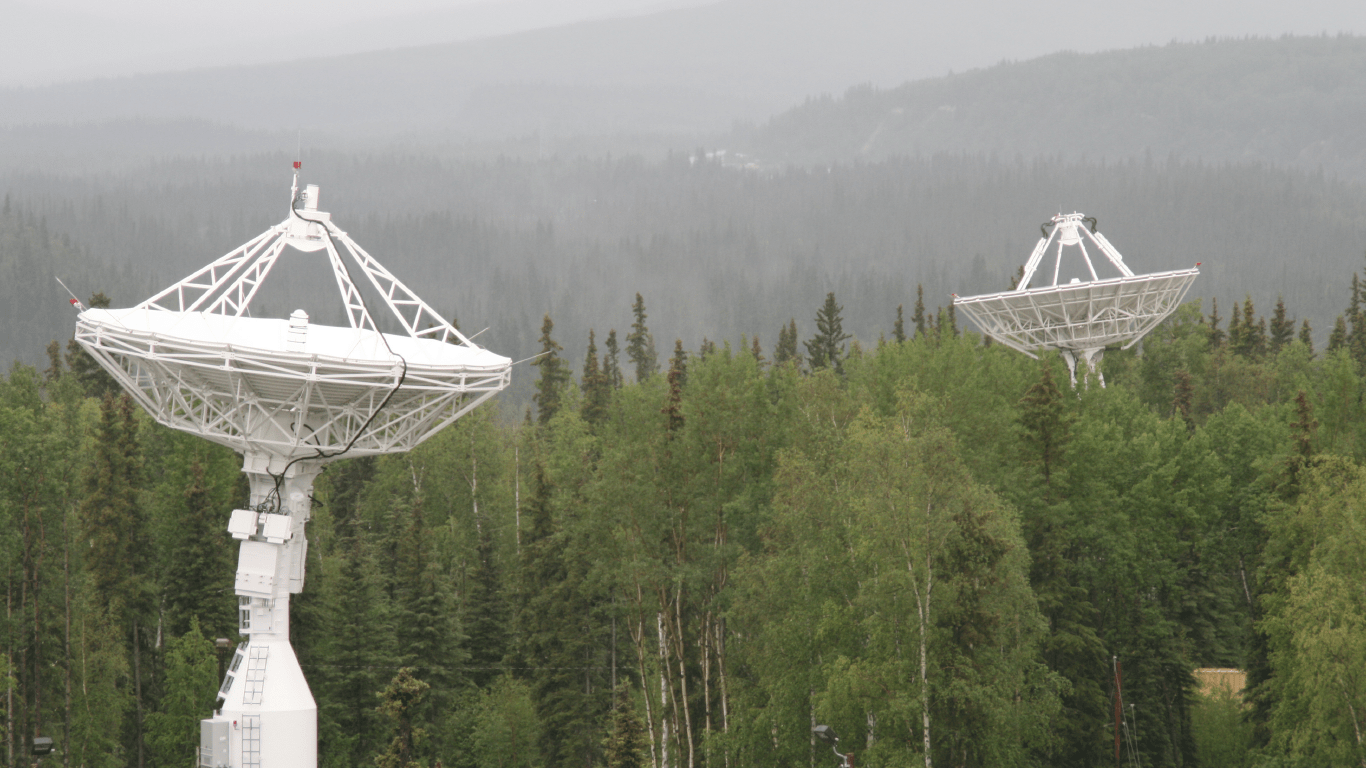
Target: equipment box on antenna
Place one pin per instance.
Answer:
(213, 743)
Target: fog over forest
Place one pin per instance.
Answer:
(672, 536)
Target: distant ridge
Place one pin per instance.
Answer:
(692, 70)
(689, 69)
(1295, 101)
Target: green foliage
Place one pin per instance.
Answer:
(113, 524)
(597, 384)
(550, 387)
(611, 362)
(626, 745)
(743, 549)
(190, 680)
(101, 696)
(1223, 738)
(506, 731)
(358, 649)
(918, 317)
(826, 348)
(400, 702)
(197, 577)
(1282, 328)
(640, 345)
(787, 344)
(1316, 625)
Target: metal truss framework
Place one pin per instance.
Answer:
(268, 403)
(1080, 316)
(227, 286)
(285, 403)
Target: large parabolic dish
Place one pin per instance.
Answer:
(196, 360)
(290, 396)
(1085, 315)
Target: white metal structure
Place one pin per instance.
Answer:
(289, 396)
(1081, 317)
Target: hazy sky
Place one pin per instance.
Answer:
(45, 41)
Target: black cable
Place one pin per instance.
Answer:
(403, 374)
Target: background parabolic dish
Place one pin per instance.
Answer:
(1083, 315)
(1079, 316)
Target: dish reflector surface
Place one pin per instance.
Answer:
(1083, 315)
(196, 361)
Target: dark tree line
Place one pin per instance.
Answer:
(928, 542)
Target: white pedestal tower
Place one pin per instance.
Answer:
(289, 396)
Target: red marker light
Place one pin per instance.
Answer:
(74, 302)
(297, 165)
(1197, 263)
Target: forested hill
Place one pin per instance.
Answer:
(1294, 101)
(932, 545)
(716, 252)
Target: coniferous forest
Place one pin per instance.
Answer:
(690, 553)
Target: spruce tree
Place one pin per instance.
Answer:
(359, 649)
(626, 744)
(1307, 336)
(54, 362)
(486, 613)
(611, 362)
(899, 327)
(112, 517)
(1216, 334)
(1247, 335)
(1237, 341)
(640, 345)
(554, 375)
(428, 638)
(551, 644)
(191, 675)
(1303, 429)
(198, 577)
(1046, 424)
(1282, 328)
(400, 703)
(1183, 396)
(1356, 319)
(678, 378)
(826, 348)
(1338, 338)
(787, 344)
(597, 388)
(1072, 647)
(918, 316)
(115, 534)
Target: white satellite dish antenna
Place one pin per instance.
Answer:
(1081, 317)
(290, 396)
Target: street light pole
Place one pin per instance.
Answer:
(827, 734)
